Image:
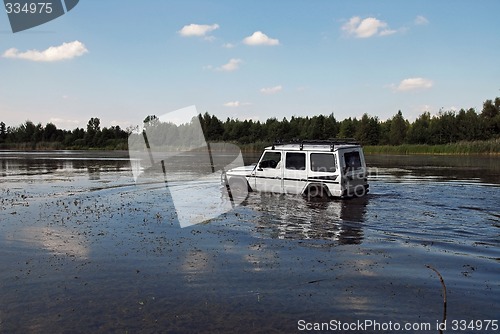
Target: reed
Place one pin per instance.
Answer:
(486, 147)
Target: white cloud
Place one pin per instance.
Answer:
(232, 65)
(198, 30)
(53, 53)
(123, 124)
(413, 84)
(366, 28)
(209, 38)
(232, 104)
(387, 32)
(236, 104)
(259, 38)
(271, 90)
(421, 20)
(69, 124)
(420, 109)
(228, 45)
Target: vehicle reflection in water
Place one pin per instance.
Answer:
(296, 217)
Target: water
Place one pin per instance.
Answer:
(83, 249)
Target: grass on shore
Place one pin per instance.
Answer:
(487, 147)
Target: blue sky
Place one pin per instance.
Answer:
(122, 60)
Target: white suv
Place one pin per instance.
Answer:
(333, 168)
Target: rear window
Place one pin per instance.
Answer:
(352, 160)
(323, 162)
(295, 161)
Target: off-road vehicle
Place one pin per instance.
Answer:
(327, 168)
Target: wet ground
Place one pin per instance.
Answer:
(84, 249)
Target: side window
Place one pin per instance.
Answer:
(352, 160)
(323, 162)
(295, 161)
(270, 160)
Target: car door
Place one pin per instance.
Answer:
(268, 175)
(294, 173)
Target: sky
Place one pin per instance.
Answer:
(121, 60)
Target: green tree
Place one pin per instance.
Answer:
(444, 128)
(469, 125)
(316, 128)
(294, 132)
(490, 110)
(419, 132)
(26, 131)
(3, 132)
(50, 132)
(330, 127)
(385, 130)
(151, 120)
(398, 129)
(491, 117)
(38, 133)
(348, 128)
(368, 130)
(93, 131)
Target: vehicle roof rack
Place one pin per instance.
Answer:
(332, 142)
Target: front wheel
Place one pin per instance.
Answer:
(238, 188)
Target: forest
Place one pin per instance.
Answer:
(445, 128)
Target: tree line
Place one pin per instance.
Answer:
(31, 136)
(443, 128)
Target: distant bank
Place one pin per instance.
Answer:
(483, 147)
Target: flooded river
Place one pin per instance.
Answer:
(83, 248)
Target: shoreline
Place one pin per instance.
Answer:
(481, 148)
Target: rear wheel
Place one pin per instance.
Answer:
(360, 190)
(316, 191)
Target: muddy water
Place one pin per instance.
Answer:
(84, 249)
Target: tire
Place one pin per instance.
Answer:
(360, 191)
(238, 188)
(316, 191)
